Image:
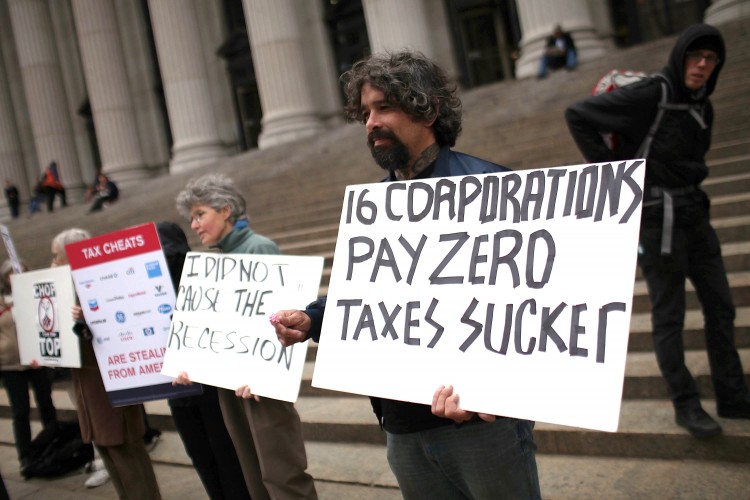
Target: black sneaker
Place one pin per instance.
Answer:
(697, 422)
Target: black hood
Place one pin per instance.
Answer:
(675, 68)
(175, 246)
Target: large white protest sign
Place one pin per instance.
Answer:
(127, 297)
(515, 288)
(221, 334)
(42, 303)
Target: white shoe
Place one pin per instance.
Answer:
(95, 465)
(98, 478)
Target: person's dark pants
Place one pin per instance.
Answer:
(209, 446)
(14, 205)
(696, 255)
(17, 386)
(51, 192)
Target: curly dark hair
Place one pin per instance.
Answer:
(414, 83)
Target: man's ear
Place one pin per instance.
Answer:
(436, 104)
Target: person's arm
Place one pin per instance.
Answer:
(627, 112)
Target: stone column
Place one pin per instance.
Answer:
(143, 78)
(320, 65)
(75, 86)
(19, 108)
(109, 92)
(186, 86)
(538, 19)
(11, 156)
(723, 11)
(43, 86)
(278, 48)
(419, 25)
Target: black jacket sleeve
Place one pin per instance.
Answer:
(315, 311)
(627, 112)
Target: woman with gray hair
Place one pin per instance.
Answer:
(117, 433)
(267, 434)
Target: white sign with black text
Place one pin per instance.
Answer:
(516, 288)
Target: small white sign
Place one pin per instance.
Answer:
(42, 304)
(221, 334)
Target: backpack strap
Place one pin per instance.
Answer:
(667, 195)
(645, 147)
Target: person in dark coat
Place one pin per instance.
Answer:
(12, 198)
(677, 241)
(198, 419)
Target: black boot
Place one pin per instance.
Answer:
(697, 422)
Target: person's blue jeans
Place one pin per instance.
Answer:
(478, 460)
(546, 62)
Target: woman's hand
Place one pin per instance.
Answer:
(182, 379)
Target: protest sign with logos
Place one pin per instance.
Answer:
(42, 302)
(127, 298)
(221, 334)
(515, 288)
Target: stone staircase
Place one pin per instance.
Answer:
(295, 195)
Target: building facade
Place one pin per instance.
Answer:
(141, 88)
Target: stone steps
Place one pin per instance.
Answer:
(361, 472)
(646, 417)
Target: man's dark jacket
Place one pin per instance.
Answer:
(399, 417)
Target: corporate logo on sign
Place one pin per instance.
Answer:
(101, 340)
(153, 269)
(93, 305)
(86, 283)
(100, 321)
(160, 292)
(120, 317)
(110, 276)
(149, 331)
(141, 313)
(165, 309)
(115, 298)
(130, 271)
(136, 294)
(125, 336)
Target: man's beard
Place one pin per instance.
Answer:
(390, 157)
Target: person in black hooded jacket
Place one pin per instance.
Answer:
(677, 240)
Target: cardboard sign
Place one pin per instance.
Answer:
(220, 332)
(42, 302)
(127, 297)
(515, 288)
(10, 247)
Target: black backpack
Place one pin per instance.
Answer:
(57, 450)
